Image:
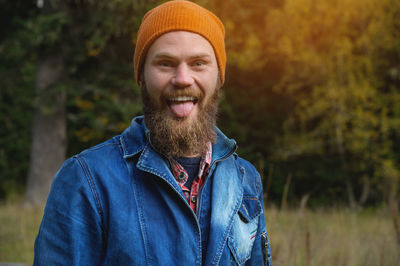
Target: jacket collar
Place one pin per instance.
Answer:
(134, 140)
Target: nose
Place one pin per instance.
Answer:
(183, 77)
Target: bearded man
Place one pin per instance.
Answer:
(170, 190)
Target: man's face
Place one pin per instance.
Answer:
(181, 74)
(180, 86)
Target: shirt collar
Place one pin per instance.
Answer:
(180, 173)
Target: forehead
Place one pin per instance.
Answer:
(181, 44)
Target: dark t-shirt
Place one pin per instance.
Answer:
(191, 166)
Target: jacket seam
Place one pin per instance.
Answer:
(142, 221)
(199, 248)
(235, 257)
(250, 198)
(100, 146)
(123, 146)
(91, 184)
(258, 182)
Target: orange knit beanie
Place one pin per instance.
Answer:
(179, 15)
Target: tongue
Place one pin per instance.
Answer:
(181, 109)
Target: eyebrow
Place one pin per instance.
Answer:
(163, 55)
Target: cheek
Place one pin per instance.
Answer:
(211, 81)
(211, 85)
(154, 86)
(208, 95)
(152, 89)
(157, 79)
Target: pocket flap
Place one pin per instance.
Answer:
(250, 208)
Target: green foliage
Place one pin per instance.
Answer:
(312, 87)
(96, 42)
(17, 71)
(311, 91)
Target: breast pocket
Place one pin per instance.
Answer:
(244, 229)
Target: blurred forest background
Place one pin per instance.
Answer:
(312, 92)
(312, 95)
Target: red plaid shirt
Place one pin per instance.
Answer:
(181, 177)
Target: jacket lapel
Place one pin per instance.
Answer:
(150, 161)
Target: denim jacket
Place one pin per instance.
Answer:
(119, 204)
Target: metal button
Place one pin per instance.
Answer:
(193, 199)
(181, 176)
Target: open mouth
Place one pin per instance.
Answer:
(182, 99)
(182, 106)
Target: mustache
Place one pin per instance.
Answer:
(190, 92)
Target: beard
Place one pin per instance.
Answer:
(180, 137)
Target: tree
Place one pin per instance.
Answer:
(67, 76)
(49, 125)
(309, 92)
(17, 71)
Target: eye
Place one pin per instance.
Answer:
(199, 64)
(164, 63)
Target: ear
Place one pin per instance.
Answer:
(141, 79)
(219, 82)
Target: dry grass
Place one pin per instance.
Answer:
(310, 238)
(18, 228)
(340, 238)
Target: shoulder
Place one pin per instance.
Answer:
(249, 167)
(126, 144)
(93, 157)
(89, 172)
(87, 168)
(251, 177)
(102, 150)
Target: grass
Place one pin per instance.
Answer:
(18, 229)
(336, 237)
(309, 238)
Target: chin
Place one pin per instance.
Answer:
(183, 121)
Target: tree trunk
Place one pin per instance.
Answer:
(365, 191)
(49, 130)
(286, 192)
(350, 195)
(269, 181)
